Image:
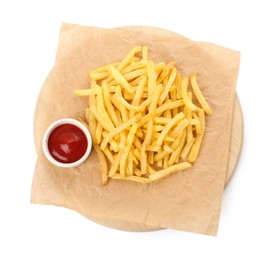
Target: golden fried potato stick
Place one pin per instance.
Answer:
(128, 58)
(195, 148)
(151, 73)
(127, 148)
(84, 92)
(132, 178)
(145, 53)
(199, 95)
(108, 103)
(104, 165)
(104, 68)
(146, 142)
(101, 108)
(168, 85)
(171, 169)
(187, 101)
(134, 66)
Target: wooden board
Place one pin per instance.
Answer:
(236, 141)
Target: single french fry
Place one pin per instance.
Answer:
(199, 95)
(146, 142)
(188, 114)
(138, 94)
(101, 108)
(161, 120)
(173, 97)
(137, 154)
(152, 148)
(155, 98)
(165, 162)
(151, 77)
(130, 162)
(123, 135)
(187, 101)
(128, 58)
(103, 163)
(145, 52)
(198, 128)
(108, 103)
(98, 133)
(134, 74)
(98, 75)
(150, 157)
(178, 83)
(126, 150)
(194, 121)
(92, 97)
(137, 143)
(132, 178)
(164, 173)
(168, 106)
(104, 68)
(195, 148)
(201, 116)
(84, 92)
(135, 160)
(92, 124)
(134, 66)
(168, 85)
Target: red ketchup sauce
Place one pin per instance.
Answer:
(67, 143)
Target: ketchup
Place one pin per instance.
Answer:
(67, 143)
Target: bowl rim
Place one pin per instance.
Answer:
(49, 131)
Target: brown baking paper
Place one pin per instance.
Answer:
(189, 200)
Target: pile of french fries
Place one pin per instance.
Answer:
(142, 119)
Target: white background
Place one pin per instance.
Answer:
(28, 40)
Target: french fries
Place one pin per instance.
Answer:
(143, 118)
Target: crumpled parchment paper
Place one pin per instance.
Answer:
(189, 200)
